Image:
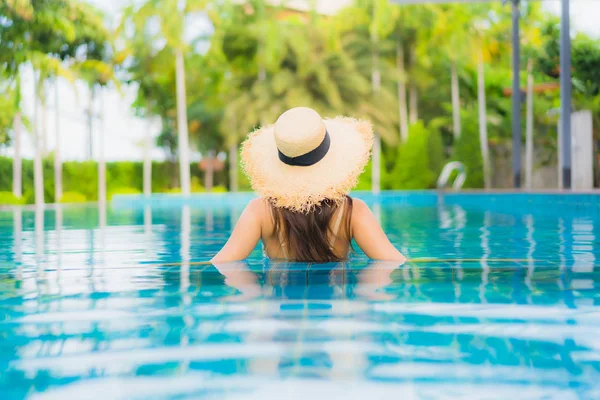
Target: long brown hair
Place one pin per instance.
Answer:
(307, 235)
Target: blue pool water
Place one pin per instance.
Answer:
(500, 301)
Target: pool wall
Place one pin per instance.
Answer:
(503, 202)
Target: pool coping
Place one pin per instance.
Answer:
(123, 199)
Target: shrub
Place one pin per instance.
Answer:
(196, 186)
(365, 179)
(419, 160)
(467, 150)
(219, 189)
(82, 177)
(123, 190)
(73, 197)
(243, 181)
(8, 198)
(435, 150)
(29, 196)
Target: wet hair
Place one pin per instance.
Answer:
(307, 235)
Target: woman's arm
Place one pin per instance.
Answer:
(239, 276)
(375, 277)
(369, 236)
(245, 235)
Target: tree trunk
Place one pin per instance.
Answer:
(262, 77)
(402, 106)
(483, 136)
(233, 168)
(89, 150)
(414, 101)
(38, 173)
(101, 161)
(44, 122)
(209, 174)
(455, 101)
(376, 161)
(376, 171)
(148, 156)
(17, 185)
(529, 128)
(58, 188)
(182, 127)
(413, 93)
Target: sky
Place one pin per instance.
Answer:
(123, 132)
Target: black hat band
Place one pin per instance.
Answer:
(310, 158)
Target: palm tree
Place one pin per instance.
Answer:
(451, 35)
(529, 128)
(184, 163)
(531, 34)
(483, 134)
(413, 94)
(380, 26)
(415, 27)
(47, 34)
(38, 177)
(307, 65)
(143, 70)
(411, 32)
(402, 104)
(482, 45)
(44, 66)
(97, 74)
(378, 20)
(17, 124)
(58, 187)
(14, 51)
(91, 60)
(249, 45)
(171, 15)
(49, 23)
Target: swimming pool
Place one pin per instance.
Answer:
(501, 300)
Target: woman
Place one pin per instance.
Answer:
(303, 167)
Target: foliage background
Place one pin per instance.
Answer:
(262, 59)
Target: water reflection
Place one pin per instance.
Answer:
(185, 251)
(153, 321)
(102, 234)
(58, 232)
(17, 233)
(39, 238)
(334, 321)
(148, 231)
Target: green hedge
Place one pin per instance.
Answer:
(467, 150)
(418, 162)
(121, 177)
(73, 197)
(7, 198)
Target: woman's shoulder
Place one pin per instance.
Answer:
(259, 208)
(359, 207)
(259, 203)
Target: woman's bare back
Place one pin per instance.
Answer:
(257, 223)
(276, 248)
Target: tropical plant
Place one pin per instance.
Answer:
(171, 16)
(418, 161)
(46, 35)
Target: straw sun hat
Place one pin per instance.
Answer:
(302, 159)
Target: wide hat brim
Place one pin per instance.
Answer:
(300, 188)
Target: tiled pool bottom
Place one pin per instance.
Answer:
(496, 304)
